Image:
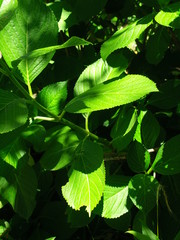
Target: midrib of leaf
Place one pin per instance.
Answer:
(27, 66)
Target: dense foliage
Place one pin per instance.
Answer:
(89, 119)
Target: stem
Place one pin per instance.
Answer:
(44, 118)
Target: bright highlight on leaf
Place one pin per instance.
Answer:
(87, 177)
(112, 94)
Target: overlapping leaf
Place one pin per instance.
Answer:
(111, 94)
(87, 177)
(26, 32)
(123, 37)
(169, 16)
(167, 158)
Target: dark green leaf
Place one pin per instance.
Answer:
(138, 157)
(124, 128)
(157, 46)
(143, 191)
(167, 158)
(60, 152)
(13, 111)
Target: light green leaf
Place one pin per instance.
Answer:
(169, 16)
(98, 72)
(7, 8)
(167, 158)
(61, 151)
(13, 111)
(26, 32)
(123, 37)
(4, 227)
(115, 197)
(138, 157)
(53, 97)
(87, 177)
(143, 191)
(157, 46)
(124, 128)
(111, 94)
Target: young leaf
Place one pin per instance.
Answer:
(87, 177)
(53, 97)
(7, 8)
(143, 191)
(61, 151)
(26, 32)
(169, 16)
(157, 46)
(138, 157)
(115, 198)
(167, 158)
(13, 111)
(123, 37)
(124, 128)
(111, 94)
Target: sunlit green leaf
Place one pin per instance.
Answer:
(87, 177)
(7, 8)
(111, 94)
(123, 37)
(26, 32)
(169, 16)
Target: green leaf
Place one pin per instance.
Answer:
(138, 235)
(177, 237)
(99, 72)
(4, 227)
(73, 41)
(53, 97)
(122, 223)
(167, 158)
(61, 151)
(13, 152)
(13, 111)
(18, 187)
(111, 94)
(143, 191)
(26, 32)
(7, 8)
(87, 177)
(168, 95)
(150, 130)
(157, 46)
(169, 16)
(115, 197)
(123, 37)
(124, 128)
(138, 157)
(35, 134)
